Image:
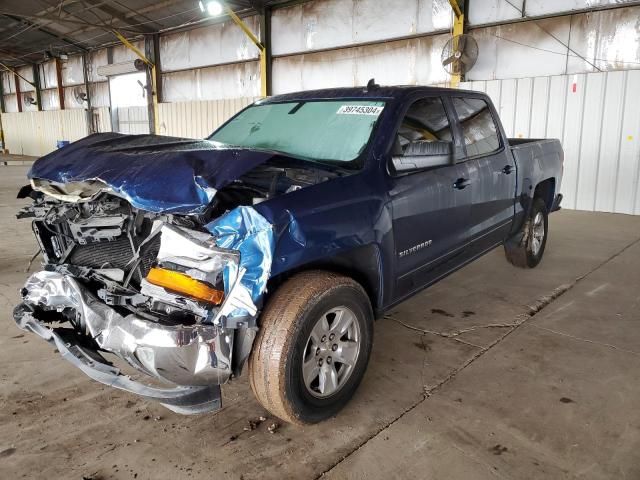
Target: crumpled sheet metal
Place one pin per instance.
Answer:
(154, 173)
(243, 229)
(186, 400)
(181, 354)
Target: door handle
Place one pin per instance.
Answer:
(507, 169)
(461, 183)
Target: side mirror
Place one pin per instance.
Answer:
(421, 154)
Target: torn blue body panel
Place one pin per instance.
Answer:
(246, 231)
(154, 173)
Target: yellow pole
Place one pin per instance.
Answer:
(458, 29)
(263, 51)
(8, 68)
(149, 63)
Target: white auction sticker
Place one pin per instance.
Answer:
(360, 110)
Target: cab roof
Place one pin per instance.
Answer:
(398, 92)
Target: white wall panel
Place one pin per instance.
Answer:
(72, 71)
(198, 119)
(489, 11)
(557, 106)
(596, 116)
(49, 99)
(591, 135)
(25, 72)
(546, 7)
(122, 54)
(225, 81)
(604, 40)
(48, 77)
(212, 45)
(404, 62)
(36, 133)
(610, 139)
(97, 59)
(627, 198)
(11, 103)
(8, 82)
(608, 40)
(523, 108)
(506, 51)
(324, 24)
(99, 94)
(539, 114)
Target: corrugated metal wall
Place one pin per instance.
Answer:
(198, 119)
(597, 117)
(36, 133)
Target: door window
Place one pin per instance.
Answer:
(478, 127)
(426, 120)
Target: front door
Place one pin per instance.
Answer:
(431, 208)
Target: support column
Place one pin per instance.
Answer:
(458, 29)
(86, 62)
(59, 82)
(152, 55)
(3, 149)
(36, 84)
(16, 79)
(2, 106)
(266, 60)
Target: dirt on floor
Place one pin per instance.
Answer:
(445, 372)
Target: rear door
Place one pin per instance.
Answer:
(492, 169)
(431, 208)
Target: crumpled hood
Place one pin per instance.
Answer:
(154, 173)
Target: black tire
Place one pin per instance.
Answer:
(521, 250)
(292, 312)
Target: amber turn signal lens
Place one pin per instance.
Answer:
(185, 285)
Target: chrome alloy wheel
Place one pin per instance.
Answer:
(537, 233)
(331, 352)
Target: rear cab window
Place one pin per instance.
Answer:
(479, 129)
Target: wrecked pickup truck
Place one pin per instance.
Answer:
(276, 241)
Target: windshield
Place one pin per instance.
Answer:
(333, 131)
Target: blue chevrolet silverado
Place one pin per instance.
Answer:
(275, 242)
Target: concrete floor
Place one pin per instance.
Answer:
(494, 372)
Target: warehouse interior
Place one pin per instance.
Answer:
(493, 372)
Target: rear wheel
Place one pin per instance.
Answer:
(313, 347)
(526, 248)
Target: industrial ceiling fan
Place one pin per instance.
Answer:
(459, 54)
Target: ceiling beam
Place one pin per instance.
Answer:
(120, 15)
(46, 31)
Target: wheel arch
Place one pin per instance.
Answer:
(363, 264)
(546, 191)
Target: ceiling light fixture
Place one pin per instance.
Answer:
(212, 8)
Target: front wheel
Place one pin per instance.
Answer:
(526, 248)
(313, 347)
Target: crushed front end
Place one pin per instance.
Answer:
(174, 296)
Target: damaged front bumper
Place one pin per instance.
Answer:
(168, 331)
(196, 359)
